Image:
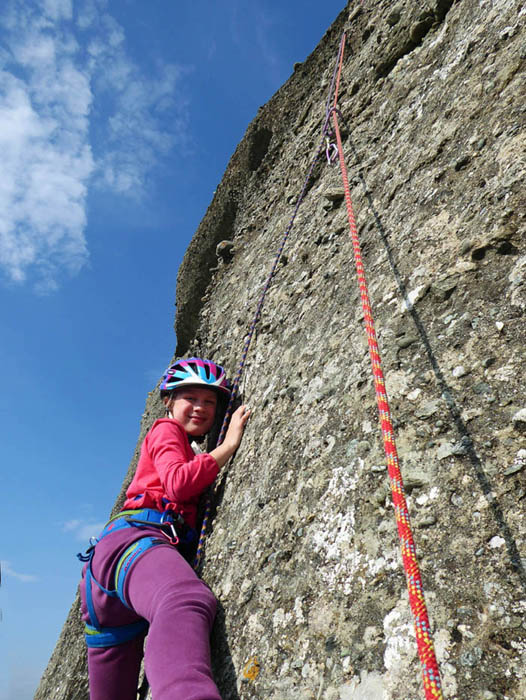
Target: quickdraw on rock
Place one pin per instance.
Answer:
(331, 151)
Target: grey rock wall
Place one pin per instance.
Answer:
(304, 555)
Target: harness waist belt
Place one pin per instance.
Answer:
(171, 525)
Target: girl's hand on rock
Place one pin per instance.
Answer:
(237, 426)
(234, 433)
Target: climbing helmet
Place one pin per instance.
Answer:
(195, 372)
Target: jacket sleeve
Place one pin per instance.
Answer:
(182, 477)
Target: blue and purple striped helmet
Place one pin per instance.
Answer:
(195, 372)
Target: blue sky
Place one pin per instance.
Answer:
(117, 120)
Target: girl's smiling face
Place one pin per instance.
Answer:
(194, 407)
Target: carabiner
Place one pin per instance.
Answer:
(331, 151)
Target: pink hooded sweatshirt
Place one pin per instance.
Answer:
(169, 472)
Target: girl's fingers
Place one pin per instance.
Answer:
(246, 413)
(242, 414)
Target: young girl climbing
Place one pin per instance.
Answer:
(136, 579)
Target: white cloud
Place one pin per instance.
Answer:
(263, 21)
(136, 104)
(83, 530)
(89, 530)
(47, 160)
(87, 13)
(58, 9)
(7, 570)
(74, 110)
(71, 525)
(264, 25)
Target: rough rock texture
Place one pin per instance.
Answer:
(304, 554)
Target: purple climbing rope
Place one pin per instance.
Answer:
(248, 339)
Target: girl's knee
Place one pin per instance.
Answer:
(160, 582)
(209, 600)
(198, 594)
(190, 595)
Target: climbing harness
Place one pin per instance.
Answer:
(172, 530)
(430, 672)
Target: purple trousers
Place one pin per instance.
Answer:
(162, 588)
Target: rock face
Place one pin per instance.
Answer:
(304, 556)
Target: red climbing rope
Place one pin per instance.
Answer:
(430, 672)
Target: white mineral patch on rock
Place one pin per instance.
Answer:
(399, 637)
(227, 586)
(330, 442)
(298, 611)
(463, 266)
(254, 626)
(333, 538)
(369, 686)
(413, 395)
(424, 498)
(413, 296)
(389, 562)
(321, 618)
(459, 371)
(396, 383)
(281, 619)
(504, 374)
(314, 391)
(443, 644)
(445, 450)
(518, 273)
(519, 419)
(371, 636)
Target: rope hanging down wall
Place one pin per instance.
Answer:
(248, 340)
(324, 144)
(430, 672)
